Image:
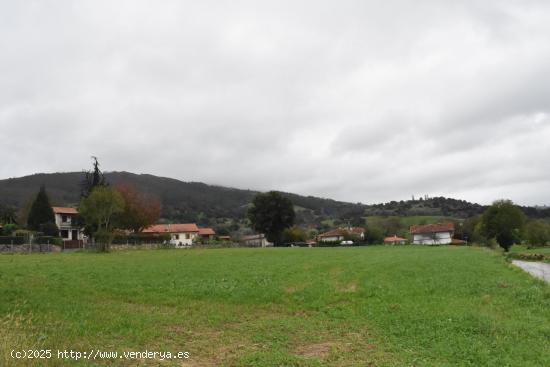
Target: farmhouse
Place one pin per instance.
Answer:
(207, 233)
(181, 234)
(69, 230)
(433, 234)
(339, 234)
(394, 240)
(256, 240)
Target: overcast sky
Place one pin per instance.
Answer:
(363, 101)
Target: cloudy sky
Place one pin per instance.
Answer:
(364, 101)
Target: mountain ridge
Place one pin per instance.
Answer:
(221, 206)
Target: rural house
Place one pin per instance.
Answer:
(433, 234)
(65, 219)
(207, 233)
(181, 234)
(339, 234)
(256, 240)
(394, 240)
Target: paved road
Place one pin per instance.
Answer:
(536, 269)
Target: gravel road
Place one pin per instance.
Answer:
(536, 269)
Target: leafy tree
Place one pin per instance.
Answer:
(8, 229)
(8, 214)
(140, 210)
(374, 235)
(468, 229)
(504, 222)
(537, 233)
(294, 234)
(41, 211)
(271, 213)
(92, 179)
(99, 210)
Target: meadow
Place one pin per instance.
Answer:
(357, 306)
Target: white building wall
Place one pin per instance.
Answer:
(438, 238)
(332, 239)
(67, 225)
(182, 239)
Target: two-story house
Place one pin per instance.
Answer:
(65, 220)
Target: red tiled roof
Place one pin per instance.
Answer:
(64, 210)
(172, 228)
(206, 232)
(394, 239)
(432, 228)
(334, 232)
(343, 232)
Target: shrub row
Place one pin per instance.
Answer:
(529, 256)
(140, 239)
(12, 240)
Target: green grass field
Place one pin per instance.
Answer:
(379, 306)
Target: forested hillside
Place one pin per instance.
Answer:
(225, 207)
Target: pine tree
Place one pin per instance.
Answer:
(92, 179)
(41, 211)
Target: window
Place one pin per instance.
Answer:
(64, 218)
(64, 233)
(187, 236)
(177, 237)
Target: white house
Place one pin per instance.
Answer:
(181, 234)
(433, 234)
(256, 240)
(65, 220)
(339, 234)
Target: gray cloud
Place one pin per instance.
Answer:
(359, 101)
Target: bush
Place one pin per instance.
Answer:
(52, 240)
(328, 244)
(12, 240)
(8, 229)
(49, 229)
(140, 239)
(528, 256)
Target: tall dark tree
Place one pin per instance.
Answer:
(92, 179)
(41, 211)
(271, 213)
(504, 222)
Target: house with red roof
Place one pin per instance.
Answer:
(207, 233)
(339, 234)
(181, 234)
(394, 240)
(69, 229)
(433, 234)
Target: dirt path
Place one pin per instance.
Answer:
(536, 269)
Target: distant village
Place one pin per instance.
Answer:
(185, 235)
(121, 216)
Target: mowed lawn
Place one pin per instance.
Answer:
(379, 306)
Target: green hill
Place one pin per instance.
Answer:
(225, 207)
